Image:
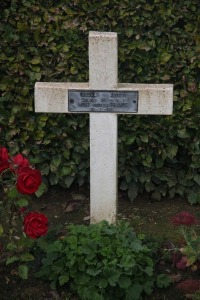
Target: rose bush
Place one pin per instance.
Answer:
(20, 180)
(28, 179)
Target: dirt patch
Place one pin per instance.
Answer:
(147, 216)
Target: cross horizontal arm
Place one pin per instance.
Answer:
(52, 97)
(154, 99)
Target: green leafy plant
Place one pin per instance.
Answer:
(190, 250)
(101, 261)
(19, 181)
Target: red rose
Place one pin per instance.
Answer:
(35, 224)
(4, 157)
(18, 162)
(184, 218)
(28, 180)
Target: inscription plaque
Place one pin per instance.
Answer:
(102, 101)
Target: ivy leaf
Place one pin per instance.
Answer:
(149, 187)
(165, 57)
(35, 61)
(172, 151)
(182, 133)
(197, 179)
(194, 198)
(129, 32)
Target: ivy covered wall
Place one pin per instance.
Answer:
(159, 42)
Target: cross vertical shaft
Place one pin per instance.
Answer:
(103, 74)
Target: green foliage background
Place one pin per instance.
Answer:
(159, 42)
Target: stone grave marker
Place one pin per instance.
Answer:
(103, 98)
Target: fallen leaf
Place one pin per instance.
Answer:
(78, 197)
(175, 277)
(55, 295)
(7, 279)
(86, 218)
(72, 206)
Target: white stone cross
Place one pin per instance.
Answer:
(153, 99)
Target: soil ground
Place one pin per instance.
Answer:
(72, 206)
(152, 217)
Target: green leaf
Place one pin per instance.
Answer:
(134, 292)
(35, 61)
(172, 151)
(194, 197)
(23, 271)
(73, 70)
(65, 171)
(53, 178)
(69, 180)
(113, 279)
(144, 138)
(12, 259)
(43, 188)
(22, 26)
(1, 229)
(93, 271)
(163, 281)
(42, 244)
(182, 133)
(149, 186)
(148, 287)
(105, 2)
(13, 193)
(124, 282)
(22, 202)
(103, 283)
(191, 260)
(11, 246)
(63, 279)
(27, 257)
(197, 179)
(129, 32)
(165, 57)
(56, 160)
